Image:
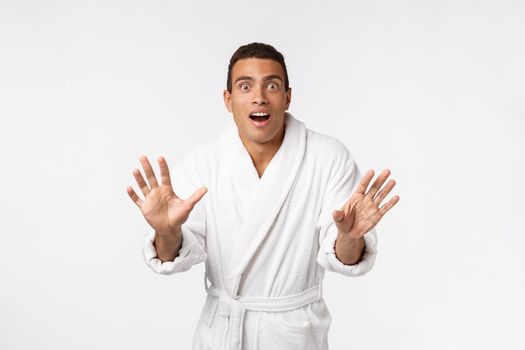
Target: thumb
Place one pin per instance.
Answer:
(195, 197)
(351, 216)
(338, 215)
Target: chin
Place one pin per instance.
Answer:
(265, 138)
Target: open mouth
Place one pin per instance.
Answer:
(259, 117)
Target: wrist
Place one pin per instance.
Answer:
(349, 250)
(348, 238)
(168, 244)
(170, 234)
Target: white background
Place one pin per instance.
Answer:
(431, 90)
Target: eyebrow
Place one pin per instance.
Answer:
(268, 77)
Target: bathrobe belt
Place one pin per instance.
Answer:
(233, 309)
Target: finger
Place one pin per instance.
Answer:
(339, 219)
(384, 192)
(348, 203)
(388, 205)
(365, 180)
(149, 172)
(348, 207)
(164, 172)
(195, 197)
(378, 183)
(337, 215)
(351, 217)
(345, 207)
(134, 197)
(342, 221)
(141, 182)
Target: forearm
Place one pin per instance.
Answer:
(349, 251)
(168, 245)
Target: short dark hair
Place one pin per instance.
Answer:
(256, 50)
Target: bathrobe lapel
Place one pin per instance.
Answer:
(263, 197)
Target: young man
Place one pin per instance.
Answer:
(283, 205)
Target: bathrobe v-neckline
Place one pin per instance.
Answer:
(263, 197)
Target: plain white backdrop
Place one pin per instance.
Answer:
(433, 90)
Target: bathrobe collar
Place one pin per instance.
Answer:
(265, 196)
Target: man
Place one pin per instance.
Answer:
(279, 211)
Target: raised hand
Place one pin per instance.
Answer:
(362, 212)
(162, 209)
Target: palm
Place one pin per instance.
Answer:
(162, 209)
(361, 212)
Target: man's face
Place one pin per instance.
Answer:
(258, 86)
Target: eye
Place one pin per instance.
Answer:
(273, 86)
(244, 86)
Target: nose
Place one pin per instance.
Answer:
(259, 97)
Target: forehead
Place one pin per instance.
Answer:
(256, 68)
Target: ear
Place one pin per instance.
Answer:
(288, 97)
(227, 100)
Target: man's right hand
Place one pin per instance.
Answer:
(162, 209)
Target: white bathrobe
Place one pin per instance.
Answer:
(267, 241)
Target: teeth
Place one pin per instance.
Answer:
(259, 114)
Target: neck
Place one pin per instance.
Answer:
(262, 153)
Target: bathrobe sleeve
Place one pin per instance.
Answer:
(342, 180)
(185, 181)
